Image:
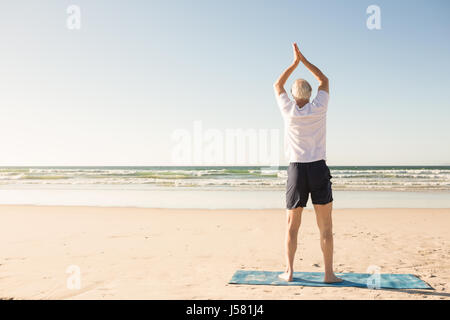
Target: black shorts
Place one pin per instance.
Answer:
(308, 177)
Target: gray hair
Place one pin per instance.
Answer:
(301, 89)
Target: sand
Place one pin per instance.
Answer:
(138, 253)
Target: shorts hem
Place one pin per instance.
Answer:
(322, 202)
(295, 207)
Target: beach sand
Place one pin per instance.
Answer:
(138, 253)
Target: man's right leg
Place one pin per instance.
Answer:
(294, 217)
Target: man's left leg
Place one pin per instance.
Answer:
(324, 221)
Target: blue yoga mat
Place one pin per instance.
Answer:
(315, 279)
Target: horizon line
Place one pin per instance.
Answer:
(246, 165)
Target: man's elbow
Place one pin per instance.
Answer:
(324, 85)
(324, 80)
(277, 86)
(279, 89)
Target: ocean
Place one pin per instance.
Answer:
(219, 187)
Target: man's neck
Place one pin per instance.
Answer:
(302, 102)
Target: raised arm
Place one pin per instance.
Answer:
(279, 84)
(323, 80)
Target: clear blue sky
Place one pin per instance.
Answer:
(113, 92)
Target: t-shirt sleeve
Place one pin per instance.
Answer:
(283, 101)
(320, 102)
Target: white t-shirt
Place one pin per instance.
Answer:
(304, 128)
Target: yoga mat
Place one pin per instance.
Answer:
(314, 279)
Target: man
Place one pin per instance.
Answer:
(305, 133)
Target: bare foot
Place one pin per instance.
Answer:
(286, 276)
(332, 279)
